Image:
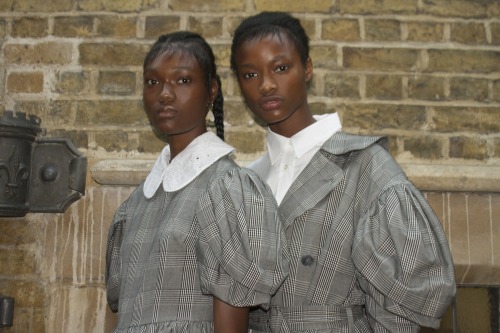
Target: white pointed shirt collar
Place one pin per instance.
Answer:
(196, 157)
(312, 136)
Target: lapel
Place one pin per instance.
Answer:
(315, 182)
(321, 175)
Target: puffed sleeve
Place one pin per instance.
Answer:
(242, 252)
(113, 263)
(404, 261)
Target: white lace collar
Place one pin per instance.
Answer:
(196, 157)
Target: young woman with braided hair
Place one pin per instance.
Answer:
(200, 240)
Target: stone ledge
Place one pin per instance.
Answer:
(454, 178)
(121, 172)
(427, 177)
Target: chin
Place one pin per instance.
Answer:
(275, 120)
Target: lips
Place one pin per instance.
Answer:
(166, 112)
(271, 103)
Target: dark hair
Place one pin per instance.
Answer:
(196, 46)
(271, 23)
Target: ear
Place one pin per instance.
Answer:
(309, 69)
(214, 88)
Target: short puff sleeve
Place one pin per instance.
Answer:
(241, 251)
(404, 261)
(113, 262)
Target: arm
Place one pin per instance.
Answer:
(113, 254)
(404, 262)
(229, 319)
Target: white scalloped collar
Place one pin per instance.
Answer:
(196, 157)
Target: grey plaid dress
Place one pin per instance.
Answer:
(367, 253)
(219, 235)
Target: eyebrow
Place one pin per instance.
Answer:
(276, 58)
(175, 69)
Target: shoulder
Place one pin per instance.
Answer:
(229, 182)
(135, 199)
(365, 161)
(350, 150)
(343, 142)
(232, 176)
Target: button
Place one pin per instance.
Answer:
(307, 260)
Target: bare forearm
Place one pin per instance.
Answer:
(229, 319)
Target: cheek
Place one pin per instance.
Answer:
(298, 88)
(148, 97)
(248, 89)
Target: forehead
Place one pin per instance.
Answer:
(269, 45)
(175, 59)
(279, 38)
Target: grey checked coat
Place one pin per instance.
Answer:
(367, 252)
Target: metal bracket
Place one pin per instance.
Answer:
(57, 176)
(37, 174)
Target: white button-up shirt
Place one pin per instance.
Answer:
(287, 157)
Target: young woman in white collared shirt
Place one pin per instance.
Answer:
(200, 240)
(367, 253)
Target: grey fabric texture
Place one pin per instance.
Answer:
(360, 235)
(167, 256)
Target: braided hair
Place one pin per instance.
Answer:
(271, 23)
(196, 46)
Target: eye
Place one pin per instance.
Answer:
(249, 75)
(150, 82)
(281, 68)
(184, 80)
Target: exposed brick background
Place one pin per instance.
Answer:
(376, 62)
(424, 73)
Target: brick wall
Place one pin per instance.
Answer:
(425, 73)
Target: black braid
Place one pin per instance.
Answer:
(218, 110)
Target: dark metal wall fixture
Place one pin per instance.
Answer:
(37, 174)
(6, 311)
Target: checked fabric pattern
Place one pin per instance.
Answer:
(219, 235)
(359, 235)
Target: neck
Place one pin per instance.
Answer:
(293, 124)
(179, 142)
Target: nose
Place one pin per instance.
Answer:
(267, 85)
(167, 94)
